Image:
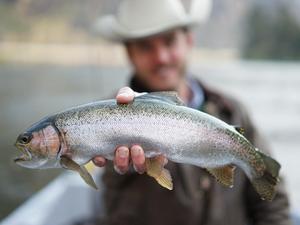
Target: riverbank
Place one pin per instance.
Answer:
(100, 54)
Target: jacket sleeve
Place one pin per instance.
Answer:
(262, 212)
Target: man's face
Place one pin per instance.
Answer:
(160, 61)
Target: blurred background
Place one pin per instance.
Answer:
(51, 59)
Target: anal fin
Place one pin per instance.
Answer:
(68, 163)
(224, 175)
(156, 170)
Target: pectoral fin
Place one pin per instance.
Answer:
(68, 163)
(224, 175)
(156, 170)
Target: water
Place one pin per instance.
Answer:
(270, 91)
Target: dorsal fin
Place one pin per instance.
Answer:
(166, 96)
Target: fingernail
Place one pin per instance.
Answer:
(123, 153)
(126, 95)
(136, 150)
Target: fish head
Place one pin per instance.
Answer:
(40, 144)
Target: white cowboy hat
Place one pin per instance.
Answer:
(141, 18)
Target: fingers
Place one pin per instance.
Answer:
(99, 161)
(125, 95)
(121, 160)
(138, 158)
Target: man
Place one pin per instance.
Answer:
(157, 39)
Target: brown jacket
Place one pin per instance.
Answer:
(197, 198)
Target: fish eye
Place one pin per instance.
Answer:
(25, 139)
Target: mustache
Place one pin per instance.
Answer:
(161, 67)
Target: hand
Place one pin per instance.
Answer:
(123, 154)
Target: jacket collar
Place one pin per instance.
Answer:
(213, 102)
(197, 100)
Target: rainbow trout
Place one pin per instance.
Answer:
(161, 124)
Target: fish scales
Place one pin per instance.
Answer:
(178, 133)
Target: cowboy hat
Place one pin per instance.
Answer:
(142, 18)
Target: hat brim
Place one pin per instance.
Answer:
(110, 29)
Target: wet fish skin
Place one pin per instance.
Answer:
(161, 125)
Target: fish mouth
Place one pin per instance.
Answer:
(26, 156)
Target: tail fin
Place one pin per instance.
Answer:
(265, 185)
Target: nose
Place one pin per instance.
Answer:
(161, 55)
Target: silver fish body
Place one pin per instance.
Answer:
(160, 124)
(182, 134)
